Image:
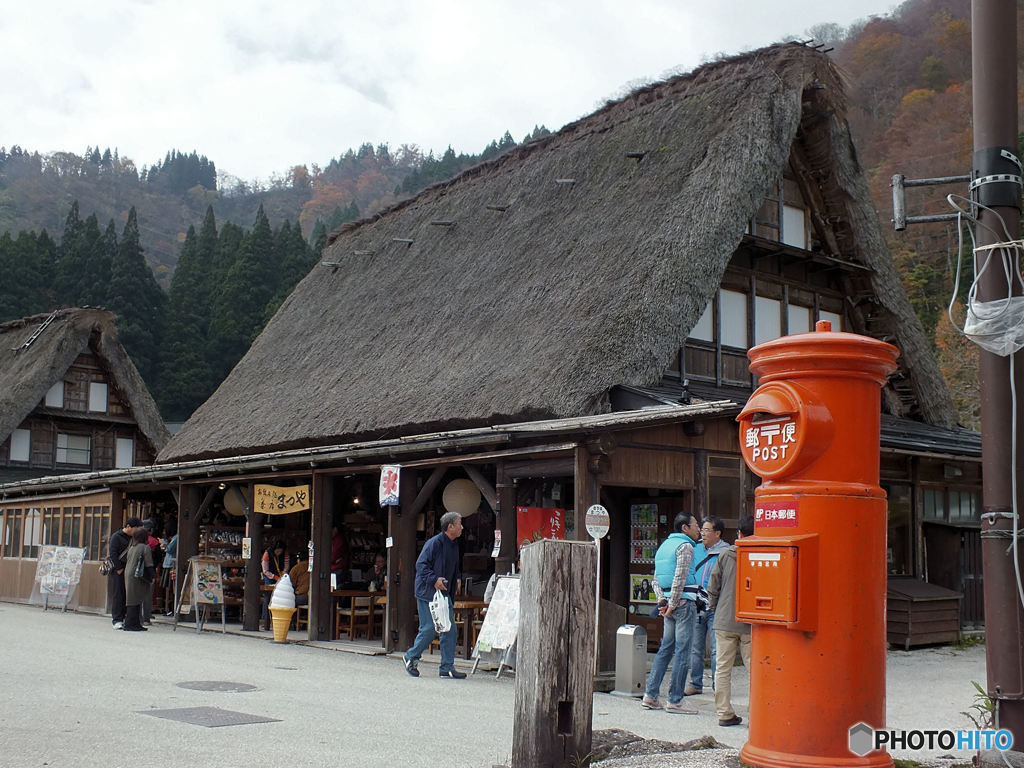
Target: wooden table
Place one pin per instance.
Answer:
(353, 593)
(468, 608)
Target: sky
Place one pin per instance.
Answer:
(259, 87)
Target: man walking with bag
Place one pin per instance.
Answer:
(437, 569)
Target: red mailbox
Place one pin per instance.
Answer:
(812, 578)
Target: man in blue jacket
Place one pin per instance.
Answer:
(437, 568)
(672, 564)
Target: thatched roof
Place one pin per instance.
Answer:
(536, 282)
(27, 373)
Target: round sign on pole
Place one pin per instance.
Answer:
(598, 522)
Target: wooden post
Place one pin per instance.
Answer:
(505, 520)
(253, 599)
(401, 598)
(188, 531)
(555, 660)
(321, 604)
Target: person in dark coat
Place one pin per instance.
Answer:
(136, 588)
(117, 551)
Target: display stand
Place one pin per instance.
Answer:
(208, 592)
(497, 638)
(58, 574)
(179, 603)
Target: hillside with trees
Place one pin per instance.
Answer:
(192, 286)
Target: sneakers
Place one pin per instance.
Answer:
(648, 703)
(147, 623)
(454, 674)
(734, 720)
(680, 709)
(411, 668)
(691, 691)
(118, 625)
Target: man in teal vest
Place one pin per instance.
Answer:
(678, 611)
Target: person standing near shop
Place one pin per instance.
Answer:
(437, 568)
(117, 551)
(730, 634)
(138, 579)
(705, 554)
(678, 610)
(154, 546)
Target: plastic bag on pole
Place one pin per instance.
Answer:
(439, 612)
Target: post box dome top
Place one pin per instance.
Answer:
(824, 352)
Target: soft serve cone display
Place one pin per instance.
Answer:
(282, 606)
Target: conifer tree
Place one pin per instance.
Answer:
(137, 300)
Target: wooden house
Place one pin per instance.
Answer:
(71, 401)
(567, 324)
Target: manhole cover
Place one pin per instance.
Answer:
(208, 717)
(216, 685)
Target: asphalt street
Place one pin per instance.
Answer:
(76, 693)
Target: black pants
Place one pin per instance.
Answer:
(132, 619)
(117, 596)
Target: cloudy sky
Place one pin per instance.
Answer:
(259, 86)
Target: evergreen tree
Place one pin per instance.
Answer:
(137, 300)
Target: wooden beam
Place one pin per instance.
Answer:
(486, 489)
(425, 492)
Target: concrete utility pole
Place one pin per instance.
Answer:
(994, 63)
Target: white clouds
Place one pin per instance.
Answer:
(261, 86)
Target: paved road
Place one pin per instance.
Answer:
(74, 693)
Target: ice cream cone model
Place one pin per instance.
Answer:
(282, 606)
(282, 621)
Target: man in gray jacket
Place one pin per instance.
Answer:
(730, 634)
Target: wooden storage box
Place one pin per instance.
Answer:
(919, 613)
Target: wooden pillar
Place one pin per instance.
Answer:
(555, 663)
(587, 491)
(618, 543)
(188, 531)
(700, 484)
(505, 520)
(404, 618)
(253, 600)
(321, 604)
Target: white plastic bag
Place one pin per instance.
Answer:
(439, 612)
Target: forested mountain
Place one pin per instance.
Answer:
(910, 97)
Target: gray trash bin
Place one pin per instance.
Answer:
(630, 659)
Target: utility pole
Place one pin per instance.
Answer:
(994, 75)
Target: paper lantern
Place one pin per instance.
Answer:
(461, 496)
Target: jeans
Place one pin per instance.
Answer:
(426, 635)
(676, 639)
(704, 626)
(728, 643)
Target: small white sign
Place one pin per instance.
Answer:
(246, 548)
(497, 543)
(598, 521)
(389, 542)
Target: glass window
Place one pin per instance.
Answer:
(933, 503)
(704, 330)
(21, 443)
(832, 317)
(55, 395)
(51, 525)
(767, 319)
(724, 497)
(799, 319)
(733, 314)
(794, 227)
(125, 453)
(33, 533)
(74, 449)
(12, 540)
(98, 396)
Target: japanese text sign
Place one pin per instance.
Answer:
(389, 475)
(777, 514)
(280, 500)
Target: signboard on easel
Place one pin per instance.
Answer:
(207, 589)
(497, 638)
(58, 573)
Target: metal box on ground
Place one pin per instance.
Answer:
(630, 659)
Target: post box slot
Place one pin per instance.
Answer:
(763, 603)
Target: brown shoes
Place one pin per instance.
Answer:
(734, 720)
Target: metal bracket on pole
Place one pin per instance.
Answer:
(899, 204)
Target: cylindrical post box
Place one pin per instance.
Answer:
(812, 578)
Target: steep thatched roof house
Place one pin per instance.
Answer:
(65, 375)
(533, 285)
